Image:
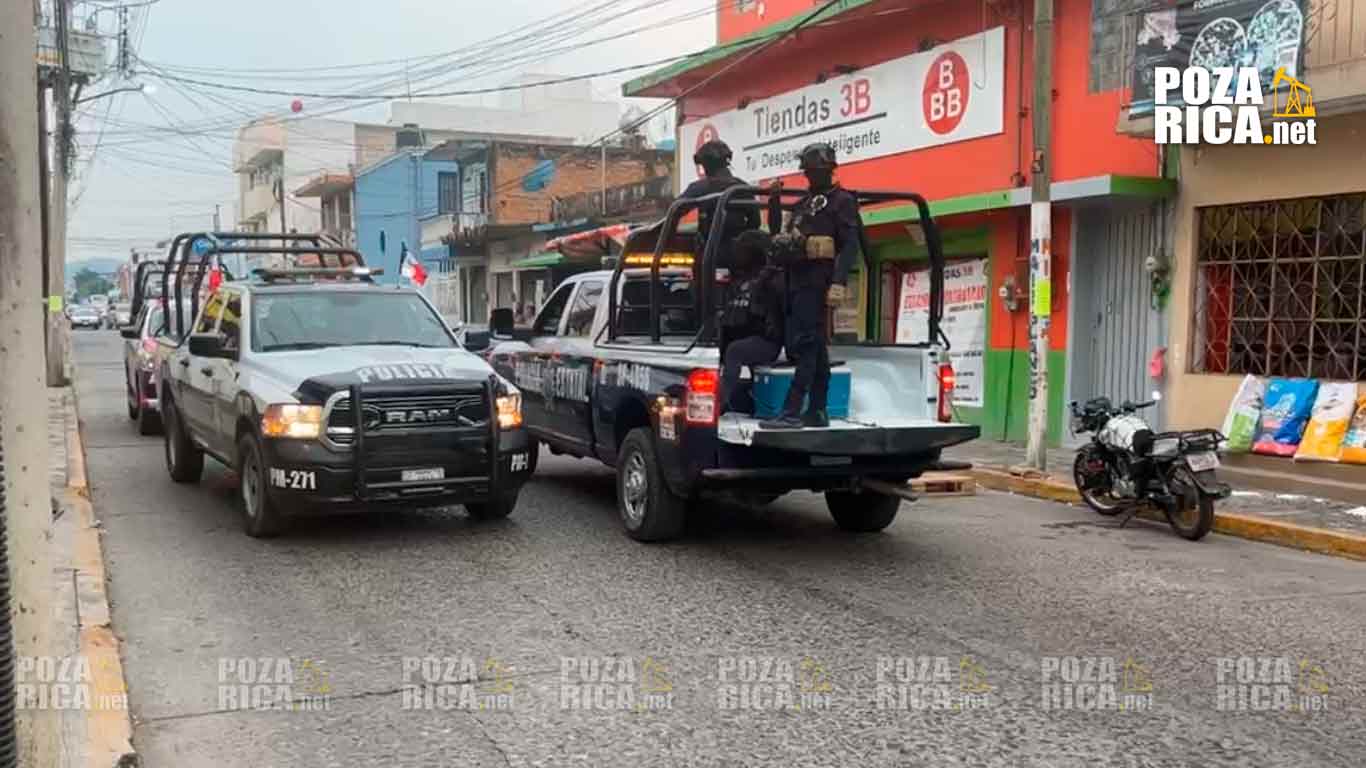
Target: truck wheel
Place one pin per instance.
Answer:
(184, 460)
(134, 402)
(862, 512)
(261, 516)
(496, 508)
(648, 509)
(533, 455)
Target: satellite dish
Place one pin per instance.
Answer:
(629, 120)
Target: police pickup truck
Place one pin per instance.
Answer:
(327, 392)
(622, 366)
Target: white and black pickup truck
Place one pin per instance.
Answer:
(327, 392)
(622, 366)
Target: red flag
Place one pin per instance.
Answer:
(413, 270)
(215, 278)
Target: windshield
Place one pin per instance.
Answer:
(283, 321)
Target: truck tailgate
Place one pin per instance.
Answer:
(849, 438)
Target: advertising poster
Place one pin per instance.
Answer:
(950, 93)
(1266, 34)
(965, 321)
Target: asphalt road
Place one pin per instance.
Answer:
(992, 630)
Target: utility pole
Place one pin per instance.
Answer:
(1040, 241)
(217, 226)
(23, 395)
(56, 236)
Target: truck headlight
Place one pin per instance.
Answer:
(301, 422)
(510, 410)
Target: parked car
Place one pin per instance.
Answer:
(85, 316)
(328, 392)
(119, 315)
(142, 356)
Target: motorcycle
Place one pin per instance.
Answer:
(1127, 466)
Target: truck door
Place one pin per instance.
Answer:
(574, 414)
(222, 380)
(196, 375)
(531, 369)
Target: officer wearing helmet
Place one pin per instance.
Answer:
(714, 159)
(818, 248)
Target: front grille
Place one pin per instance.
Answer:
(417, 415)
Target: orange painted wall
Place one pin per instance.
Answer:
(1085, 142)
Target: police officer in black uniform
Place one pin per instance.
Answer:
(818, 249)
(714, 158)
(751, 320)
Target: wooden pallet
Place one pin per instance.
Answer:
(944, 484)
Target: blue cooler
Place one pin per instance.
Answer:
(771, 385)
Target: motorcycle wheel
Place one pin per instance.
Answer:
(1101, 500)
(1193, 514)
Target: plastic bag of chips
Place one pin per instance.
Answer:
(1240, 424)
(1328, 422)
(1354, 444)
(1285, 412)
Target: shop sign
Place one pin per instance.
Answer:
(1267, 35)
(951, 93)
(965, 321)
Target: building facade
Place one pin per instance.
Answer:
(936, 98)
(511, 195)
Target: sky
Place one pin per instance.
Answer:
(155, 163)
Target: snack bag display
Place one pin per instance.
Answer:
(1354, 445)
(1240, 425)
(1328, 422)
(1285, 411)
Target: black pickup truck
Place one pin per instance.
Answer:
(328, 392)
(622, 366)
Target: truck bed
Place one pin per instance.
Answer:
(848, 438)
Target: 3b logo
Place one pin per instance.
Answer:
(946, 93)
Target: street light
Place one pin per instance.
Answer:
(146, 88)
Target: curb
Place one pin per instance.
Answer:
(109, 732)
(1320, 540)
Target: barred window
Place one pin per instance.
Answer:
(1279, 288)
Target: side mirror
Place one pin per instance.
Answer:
(129, 332)
(502, 321)
(477, 341)
(207, 345)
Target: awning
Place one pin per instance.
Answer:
(591, 244)
(539, 261)
(325, 184)
(1061, 192)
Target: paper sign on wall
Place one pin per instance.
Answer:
(950, 93)
(965, 321)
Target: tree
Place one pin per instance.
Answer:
(90, 283)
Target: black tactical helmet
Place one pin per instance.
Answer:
(818, 155)
(713, 154)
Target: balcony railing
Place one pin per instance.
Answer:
(1335, 33)
(624, 200)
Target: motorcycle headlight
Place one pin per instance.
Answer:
(290, 420)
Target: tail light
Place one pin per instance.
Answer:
(946, 384)
(700, 401)
(149, 345)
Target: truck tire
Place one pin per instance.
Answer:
(184, 460)
(261, 516)
(496, 508)
(149, 421)
(862, 512)
(134, 403)
(648, 509)
(533, 455)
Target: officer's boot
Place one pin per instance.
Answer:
(815, 418)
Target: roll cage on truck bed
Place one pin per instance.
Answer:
(649, 405)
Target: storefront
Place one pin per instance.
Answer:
(933, 97)
(1270, 248)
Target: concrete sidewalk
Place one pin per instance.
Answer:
(1302, 521)
(100, 736)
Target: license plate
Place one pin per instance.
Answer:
(1203, 461)
(421, 475)
(831, 461)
